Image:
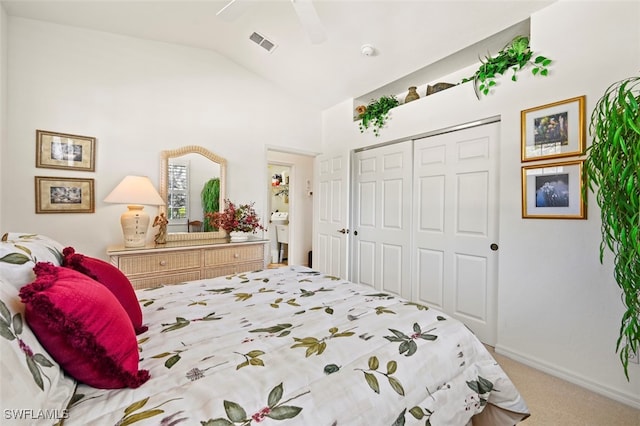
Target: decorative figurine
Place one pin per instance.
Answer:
(161, 222)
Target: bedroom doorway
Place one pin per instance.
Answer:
(290, 208)
(279, 178)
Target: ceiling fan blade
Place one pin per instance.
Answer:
(310, 21)
(232, 10)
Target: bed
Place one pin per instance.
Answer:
(294, 346)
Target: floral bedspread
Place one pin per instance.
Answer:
(293, 346)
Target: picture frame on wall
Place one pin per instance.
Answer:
(64, 195)
(553, 191)
(554, 130)
(65, 151)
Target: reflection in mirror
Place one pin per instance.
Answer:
(187, 178)
(184, 173)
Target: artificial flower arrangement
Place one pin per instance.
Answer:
(240, 218)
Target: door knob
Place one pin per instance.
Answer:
(494, 247)
(343, 231)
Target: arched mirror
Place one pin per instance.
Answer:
(185, 173)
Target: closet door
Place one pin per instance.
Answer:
(381, 233)
(456, 225)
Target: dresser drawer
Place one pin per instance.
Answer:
(154, 266)
(158, 262)
(231, 269)
(164, 279)
(234, 254)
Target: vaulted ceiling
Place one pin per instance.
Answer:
(406, 35)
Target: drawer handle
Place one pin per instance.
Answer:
(163, 263)
(236, 255)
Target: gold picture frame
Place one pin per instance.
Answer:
(65, 151)
(64, 195)
(553, 191)
(554, 130)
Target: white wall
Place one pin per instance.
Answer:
(559, 309)
(137, 98)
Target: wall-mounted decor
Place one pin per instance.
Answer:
(65, 151)
(553, 191)
(554, 130)
(64, 195)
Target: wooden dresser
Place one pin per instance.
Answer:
(181, 261)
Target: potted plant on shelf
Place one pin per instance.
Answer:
(613, 166)
(376, 113)
(239, 221)
(514, 56)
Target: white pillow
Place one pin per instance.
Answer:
(34, 389)
(19, 253)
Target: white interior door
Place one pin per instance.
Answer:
(456, 225)
(330, 253)
(381, 231)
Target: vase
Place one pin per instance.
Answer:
(238, 236)
(412, 95)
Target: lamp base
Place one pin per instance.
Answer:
(135, 223)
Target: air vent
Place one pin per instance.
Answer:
(262, 41)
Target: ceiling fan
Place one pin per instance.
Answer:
(305, 10)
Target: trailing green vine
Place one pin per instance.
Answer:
(613, 166)
(376, 113)
(514, 56)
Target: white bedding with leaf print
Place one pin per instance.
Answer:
(293, 346)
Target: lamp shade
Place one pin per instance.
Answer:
(135, 191)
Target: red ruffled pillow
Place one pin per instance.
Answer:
(83, 327)
(112, 278)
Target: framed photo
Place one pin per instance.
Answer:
(553, 191)
(553, 130)
(65, 151)
(64, 195)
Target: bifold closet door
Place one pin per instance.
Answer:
(381, 230)
(456, 225)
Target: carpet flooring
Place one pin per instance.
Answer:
(556, 402)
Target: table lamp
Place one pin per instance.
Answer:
(135, 191)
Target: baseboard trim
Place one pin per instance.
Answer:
(569, 376)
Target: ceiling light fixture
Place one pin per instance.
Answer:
(367, 50)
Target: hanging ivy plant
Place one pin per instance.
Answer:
(613, 169)
(376, 113)
(514, 56)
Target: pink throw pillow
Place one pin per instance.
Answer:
(83, 327)
(112, 278)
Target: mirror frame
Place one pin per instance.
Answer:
(164, 186)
